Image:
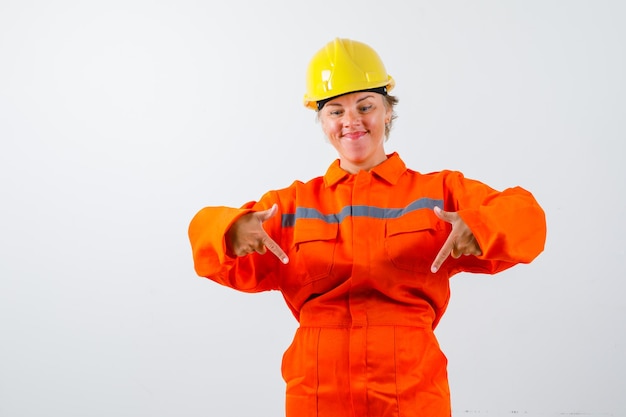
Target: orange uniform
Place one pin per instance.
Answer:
(359, 280)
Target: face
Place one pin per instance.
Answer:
(355, 125)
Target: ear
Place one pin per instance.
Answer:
(388, 115)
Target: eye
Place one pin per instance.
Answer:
(335, 112)
(365, 108)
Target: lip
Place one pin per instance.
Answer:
(354, 135)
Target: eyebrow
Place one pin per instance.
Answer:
(358, 101)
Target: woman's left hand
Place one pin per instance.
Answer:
(461, 240)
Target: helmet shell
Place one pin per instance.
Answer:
(344, 66)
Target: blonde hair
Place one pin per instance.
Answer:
(390, 102)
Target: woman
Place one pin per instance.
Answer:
(363, 254)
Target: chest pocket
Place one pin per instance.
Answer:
(413, 240)
(315, 243)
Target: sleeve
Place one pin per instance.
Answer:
(509, 226)
(250, 273)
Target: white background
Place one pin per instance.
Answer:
(120, 119)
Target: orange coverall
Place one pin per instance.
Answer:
(359, 280)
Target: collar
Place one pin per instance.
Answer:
(389, 170)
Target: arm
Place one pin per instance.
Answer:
(500, 228)
(508, 226)
(228, 244)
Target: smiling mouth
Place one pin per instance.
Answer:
(354, 135)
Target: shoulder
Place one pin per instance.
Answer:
(444, 175)
(296, 187)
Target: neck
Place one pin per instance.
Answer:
(354, 168)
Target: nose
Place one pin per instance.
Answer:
(351, 118)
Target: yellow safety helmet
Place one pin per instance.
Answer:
(344, 66)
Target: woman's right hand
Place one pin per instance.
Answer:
(246, 235)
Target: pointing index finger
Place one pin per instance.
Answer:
(443, 254)
(275, 249)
